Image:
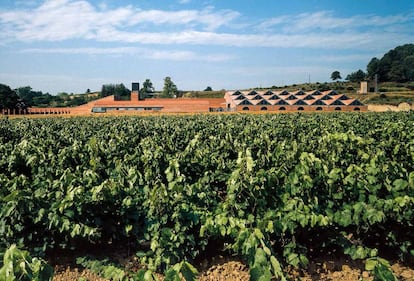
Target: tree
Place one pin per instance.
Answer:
(28, 95)
(356, 76)
(336, 75)
(170, 89)
(118, 90)
(121, 91)
(373, 68)
(107, 90)
(395, 66)
(8, 97)
(208, 89)
(147, 88)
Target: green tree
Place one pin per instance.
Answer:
(119, 91)
(107, 90)
(208, 89)
(28, 95)
(336, 75)
(356, 76)
(147, 88)
(373, 68)
(395, 66)
(408, 65)
(8, 97)
(170, 89)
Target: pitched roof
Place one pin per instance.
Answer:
(297, 98)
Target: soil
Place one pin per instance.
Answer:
(222, 268)
(386, 107)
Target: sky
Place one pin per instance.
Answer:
(73, 45)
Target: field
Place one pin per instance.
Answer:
(276, 192)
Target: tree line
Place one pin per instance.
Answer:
(24, 97)
(397, 65)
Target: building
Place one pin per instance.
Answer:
(232, 101)
(291, 101)
(135, 104)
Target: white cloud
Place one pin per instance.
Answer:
(60, 20)
(142, 52)
(207, 18)
(324, 20)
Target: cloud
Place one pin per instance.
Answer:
(60, 20)
(142, 52)
(207, 18)
(57, 20)
(325, 20)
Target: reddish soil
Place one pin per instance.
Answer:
(234, 270)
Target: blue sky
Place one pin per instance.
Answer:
(73, 45)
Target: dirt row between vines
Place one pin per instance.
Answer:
(220, 268)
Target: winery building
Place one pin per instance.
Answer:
(291, 101)
(233, 101)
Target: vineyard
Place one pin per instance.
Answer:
(273, 190)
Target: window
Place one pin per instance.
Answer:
(282, 102)
(337, 108)
(319, 102)
(301, 108)
(263, 102)
(326, 98)
(357, 109)
(263, 108)
(245, 108)
(246, 102)
(319, 108)
(337, 102)
(309, 97)
(356, 102)
(282, 108)
(300, 102)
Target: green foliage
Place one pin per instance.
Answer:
(356, 76)
(147, 88)
(336, 75)
(119, 91)
(381, 269)
(396, 65)
(112, 271)
(269, 188)
(8, 97)
(19, 265)
(170, 89)
(103, 268)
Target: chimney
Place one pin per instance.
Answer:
(135, 91)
